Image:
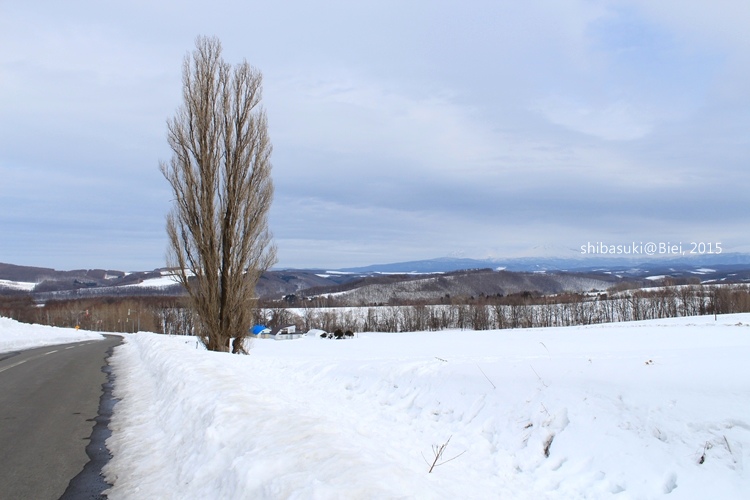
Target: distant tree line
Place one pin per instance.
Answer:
(526, 310)
(104, 314)
(523, 310)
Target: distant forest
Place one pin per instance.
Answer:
(484, 312)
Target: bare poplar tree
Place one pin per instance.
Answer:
(220, 173)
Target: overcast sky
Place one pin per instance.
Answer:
(402, 130)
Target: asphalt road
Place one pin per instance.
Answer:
(49, 400)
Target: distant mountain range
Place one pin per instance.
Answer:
(583, 263)
(378, 283)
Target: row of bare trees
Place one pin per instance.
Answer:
(110, 314)
(171, 316)
(526, 310)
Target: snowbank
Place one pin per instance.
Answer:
(15, 335)
(636, 410)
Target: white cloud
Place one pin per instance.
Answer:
(615, 121)
(410, 128)
(345, 113)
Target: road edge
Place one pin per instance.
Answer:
(90, 483)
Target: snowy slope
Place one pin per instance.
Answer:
(17, 285)
(164, 281)
(15, 335)
(630, 410)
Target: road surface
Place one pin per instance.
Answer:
(49, 398)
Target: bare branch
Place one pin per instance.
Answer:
(438, 451)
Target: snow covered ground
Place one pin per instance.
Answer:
(160, 282)
(629, 410)
(17, 285)
(15, 335)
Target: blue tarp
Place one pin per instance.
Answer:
(257, 329)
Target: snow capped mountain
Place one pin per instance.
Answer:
(553, 262)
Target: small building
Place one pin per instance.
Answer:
(285, 333)
(278, 333)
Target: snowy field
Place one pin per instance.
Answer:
(15, 335)
(657, 409)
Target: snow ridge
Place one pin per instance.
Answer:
(584, 412)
